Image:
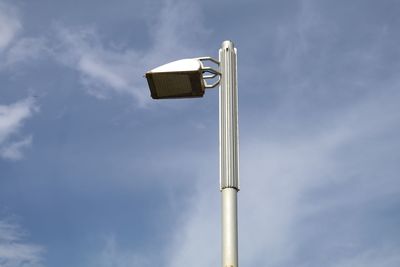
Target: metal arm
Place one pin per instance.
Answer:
(212, 72)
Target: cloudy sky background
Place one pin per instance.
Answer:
(95, 173)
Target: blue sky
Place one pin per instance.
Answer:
(95, 173)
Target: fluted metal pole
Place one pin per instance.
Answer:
(229, 160)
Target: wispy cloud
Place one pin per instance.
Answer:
(287, 178)
(9, 25)
(112, 254)
(102, 70)
(11, 120)
(312, 189)
(382, 257)
(16, 48)
(26, 49)
(13, 150)
(180, 28)
(105, 68)
(14, 250)
(282, 204)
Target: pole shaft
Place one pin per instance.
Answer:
(229, 165)
(229, 228)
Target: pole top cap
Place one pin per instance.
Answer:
(227, 44)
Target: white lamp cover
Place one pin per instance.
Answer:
(188, 64)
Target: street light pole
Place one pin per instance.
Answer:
(229, 160)
(187, 78)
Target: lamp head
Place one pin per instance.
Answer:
(178, 79)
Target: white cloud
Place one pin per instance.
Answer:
(106, 69)
(9, 25)
(311, 191)
(13, 50)
(179, 28)
(26, 49)
(196, 237)
(14, 47)
(111, 254)
(13, 150)
(386, 257)
(103, 70)
(11, 120)
(14, 250)
(283, 177)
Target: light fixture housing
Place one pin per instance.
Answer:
(181, 79)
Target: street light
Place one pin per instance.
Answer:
(186, 78)
(183, 78)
